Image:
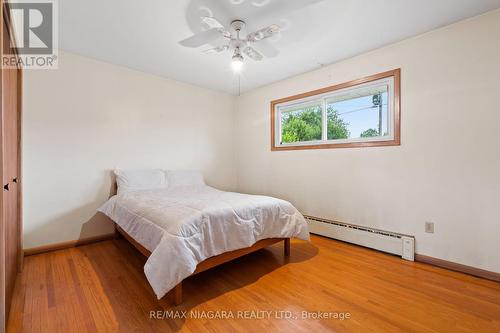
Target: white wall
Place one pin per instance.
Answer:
(88, 117)
(447, 169)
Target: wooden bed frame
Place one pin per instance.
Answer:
(212, 261)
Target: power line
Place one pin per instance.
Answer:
(361, 109)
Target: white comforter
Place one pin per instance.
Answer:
(183, 226)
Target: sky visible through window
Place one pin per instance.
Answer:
(361, 115)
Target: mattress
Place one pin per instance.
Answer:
(183, 226)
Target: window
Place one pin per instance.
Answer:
(360, 113)
(301, 122)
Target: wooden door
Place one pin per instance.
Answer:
(10, 224)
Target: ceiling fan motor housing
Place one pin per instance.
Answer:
(236, 42)
(238, 25)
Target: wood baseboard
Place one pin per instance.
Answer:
(458, 267)
(67, 245)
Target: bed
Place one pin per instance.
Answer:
(185, 227)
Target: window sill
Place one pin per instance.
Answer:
(395, 142)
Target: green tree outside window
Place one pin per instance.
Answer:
(305, 125)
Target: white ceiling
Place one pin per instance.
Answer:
(144, 35)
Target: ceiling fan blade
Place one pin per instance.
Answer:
(213, 23)
(201, 38)
(263, 33)
(266, 49)
(252, 53)
(217, 49)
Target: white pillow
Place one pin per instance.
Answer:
(184, 178)
(140, 179)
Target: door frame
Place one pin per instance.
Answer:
(5, 17)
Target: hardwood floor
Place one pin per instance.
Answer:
(102, 288)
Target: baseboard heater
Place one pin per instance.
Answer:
(386, 241)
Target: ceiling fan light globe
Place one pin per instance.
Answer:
(237, 62)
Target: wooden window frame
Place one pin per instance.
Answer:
(396, 139)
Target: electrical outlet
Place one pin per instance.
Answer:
(429, 227)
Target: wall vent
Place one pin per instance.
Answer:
(386, 241)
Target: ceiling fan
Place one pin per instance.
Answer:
(233, 41)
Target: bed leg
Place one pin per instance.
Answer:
(287, 247)
(178, 294)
